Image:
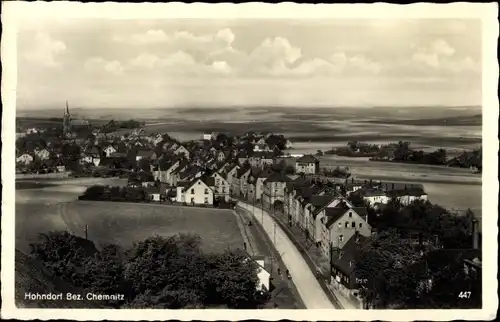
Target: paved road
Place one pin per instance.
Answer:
(308, 287)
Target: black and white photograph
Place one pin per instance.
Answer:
(224, 159)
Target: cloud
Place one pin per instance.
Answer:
(148, 37)
(441, 47)
(45, 50)
(441, 56)
(97, 64)
(183, 53)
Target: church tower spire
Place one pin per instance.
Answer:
(66, 112)
(66, 121)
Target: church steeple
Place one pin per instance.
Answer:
(66, 121)
(66, 112)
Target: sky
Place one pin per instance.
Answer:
(113, 63)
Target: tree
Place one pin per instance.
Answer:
(64, 255)
(173, 264)
(232, 280)
(104, 273)
(382, 261)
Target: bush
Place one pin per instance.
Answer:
(178, 275)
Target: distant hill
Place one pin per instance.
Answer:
(462, 120)
(32, 277)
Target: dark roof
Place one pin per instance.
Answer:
(346, 262)
(277, 177)
(183, 183)
(307, 159)
(362, 211)
(145, 153)
(265, 173)
(297, 183)
(262, 155)
(210, 181)
(333, 214)
(321, 201)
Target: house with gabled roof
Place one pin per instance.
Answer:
(109, 150)
(340, 224)
(242, 174)
(256, 183)
(342, 271)
(230, 172)
(220, 187)
(408, 195)
(42, 154)
(25, 158)
(300, 198)
(165, 168)
(181, 150)
(260, 159)
(274, 189)
(307, 164)
(145, 154)
(195, 192)
(374, 197)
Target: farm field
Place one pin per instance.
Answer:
(124, 224)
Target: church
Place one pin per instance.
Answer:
(71, 126)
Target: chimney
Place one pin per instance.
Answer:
(475, 234)
(366, 218)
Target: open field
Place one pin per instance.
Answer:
(53, 205)
(124, 223)
(451, 121)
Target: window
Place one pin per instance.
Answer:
(341, 238)
(206, 191)
(206, 199)
(346, 224)
(192, 200)
(223, 189)
(350, 214)
(360, 225)
(353, 225)
(340, 224)
(192, 191)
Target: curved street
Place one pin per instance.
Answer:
(307, 285)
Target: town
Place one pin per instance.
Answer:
(362, 239)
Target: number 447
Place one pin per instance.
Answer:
(464, 295)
